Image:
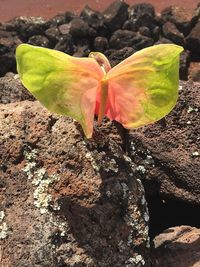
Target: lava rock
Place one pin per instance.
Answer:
(53, 35)
(141, 15)
(7, 63)
(184, 64)
(183, 18)
(64, 29)
(100, 44)
(145, 31)
(130, 25)
(146, 20)
(82, 50)
(193, 39)
(163, 40)
(177, 246)
(65, 200)
(8, 42)
(156, 33)
(125, 38)
(65, 44)
(115, 15)
(122, 38)
(78, 28)
(116, 56)
(93, 18)
(39, 40)
(60, 19)
(12, 90)
(26, 26)
(168, 151)
(138, 10)
(171, 32)
(141, 42)
(194, 71)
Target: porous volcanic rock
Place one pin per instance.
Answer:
(141, 15)
(12, 90)
(65, 200)
(193, 39)
(26, 26)
(8, 42)
(94, 18)
(183, 18)
(116, 14)
(172, 33)
(177, 246)
(167, 152)
(194, 71)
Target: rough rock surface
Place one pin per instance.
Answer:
(183, 18)
(177, 246)
(65, 200)
(119, 27)
(193, 39)
(172, 33)
(168, 152)
(116, 14)
(194, 71)
(12, 90)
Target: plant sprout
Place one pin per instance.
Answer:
(138, 91)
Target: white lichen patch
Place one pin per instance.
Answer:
(191, 109)
(133, 149)
(108, 193)
(110, 165)
(99, 160)
(146, 217)
(3, 226)
(16, 76)
(180, 88)
(90, 157)
(144, 163)
(138, 218)
(3, 230)
(195, 154)
(61, 225)
(29, 169)
(125, 190)
(2, 215)
(141, 169)
(41, 181)
(136, 261)
(149, 160)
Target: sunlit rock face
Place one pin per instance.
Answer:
(66, 200)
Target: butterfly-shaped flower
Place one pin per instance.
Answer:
(140, 90)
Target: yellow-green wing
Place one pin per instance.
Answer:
(144, 87)
(65, 85)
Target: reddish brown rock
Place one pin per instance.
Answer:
(26, 26)
(65, 200)
(193, 39)
(116, 14)
(167, 152)
(183, 18)
(172, 33)
(12, 90)
(194, 71)
(8, 43)
(177, 246)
